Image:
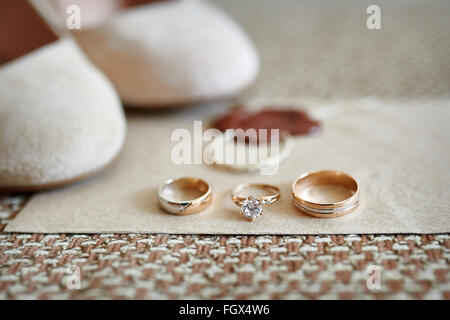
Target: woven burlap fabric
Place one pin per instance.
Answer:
(219, 267)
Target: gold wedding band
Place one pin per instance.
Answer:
(185, 196)
(251, 207)
(325, 194)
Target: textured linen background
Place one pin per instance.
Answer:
(383, 95)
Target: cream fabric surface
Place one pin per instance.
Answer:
(398, 153)
(322, 49)
(383, 96)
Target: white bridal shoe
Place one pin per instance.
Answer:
(60, 118)
(169, 53)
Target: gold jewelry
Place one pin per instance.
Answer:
(251, 207)
(325, 194)
(185, 196)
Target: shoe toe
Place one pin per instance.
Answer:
(173, 53)
(60, 119)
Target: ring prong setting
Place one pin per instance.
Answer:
(251, 208)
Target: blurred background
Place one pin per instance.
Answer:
(324, 50)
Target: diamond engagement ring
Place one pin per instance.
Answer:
(252, 207)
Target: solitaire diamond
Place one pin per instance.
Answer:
(251, 208)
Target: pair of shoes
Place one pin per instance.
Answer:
(61, 118)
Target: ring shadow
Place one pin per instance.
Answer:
(149, 204)
(147, 201)
(232, 214)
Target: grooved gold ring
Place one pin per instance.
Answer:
(325, 194)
